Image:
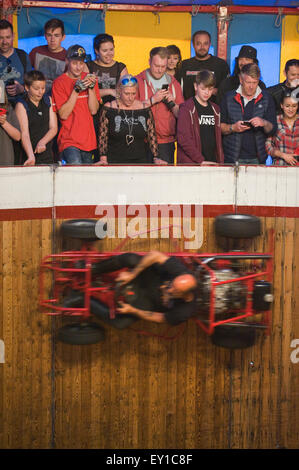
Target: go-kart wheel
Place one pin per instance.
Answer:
(83, 229)
(234, 337)
(81, 333)
(237, 226)
(100, 310)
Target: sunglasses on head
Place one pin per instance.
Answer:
(127, 80)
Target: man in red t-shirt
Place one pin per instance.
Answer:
(50, 59)
(76, 99)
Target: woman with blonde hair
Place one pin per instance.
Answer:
(126, 128)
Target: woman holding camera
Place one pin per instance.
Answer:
(126, 129)
(107, 70)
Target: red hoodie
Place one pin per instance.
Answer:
(165, 121)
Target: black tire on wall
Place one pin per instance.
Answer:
(81, 333)
(83, 229)
(234, 337)
(237, 226)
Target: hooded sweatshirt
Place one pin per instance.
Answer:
(165, 121)
(188, 134)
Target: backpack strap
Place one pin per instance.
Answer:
(23, 57)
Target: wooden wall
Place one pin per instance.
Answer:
(136, 392)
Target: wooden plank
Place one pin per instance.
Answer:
(7, 322)
(2, 359)
(137, 392)
(294, 367)
(287, 334)
(276, 334)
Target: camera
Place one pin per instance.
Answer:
(10, 82)
(79, 86)
(92, 84)
(168, 104)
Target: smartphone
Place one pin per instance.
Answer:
(10, 82)
(165, 86)
(247, 123)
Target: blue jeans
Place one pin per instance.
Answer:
(75, 156)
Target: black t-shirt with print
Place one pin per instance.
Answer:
(107, 76)
(190, 67)
(126, 134)
(206, 120)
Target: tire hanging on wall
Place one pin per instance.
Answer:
(237, 226)
(83, 229)
(81, 333)
(234, 337)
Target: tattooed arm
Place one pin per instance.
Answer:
(155, 317)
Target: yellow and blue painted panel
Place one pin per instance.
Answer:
(135, 33)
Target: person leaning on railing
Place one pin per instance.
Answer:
(126, 128)
(284, 145)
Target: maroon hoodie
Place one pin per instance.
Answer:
(188, 134)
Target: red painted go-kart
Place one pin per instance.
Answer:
(234, 287)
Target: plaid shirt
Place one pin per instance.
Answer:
(285, 140)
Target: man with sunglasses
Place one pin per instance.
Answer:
(13, 63)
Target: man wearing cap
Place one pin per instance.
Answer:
(247, 118)
(247, 55)
(76, 99)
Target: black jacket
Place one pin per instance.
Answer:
(277, 91)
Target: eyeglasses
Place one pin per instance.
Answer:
(127, 80)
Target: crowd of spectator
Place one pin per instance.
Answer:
(55, 106)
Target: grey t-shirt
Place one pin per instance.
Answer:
(157, 84)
